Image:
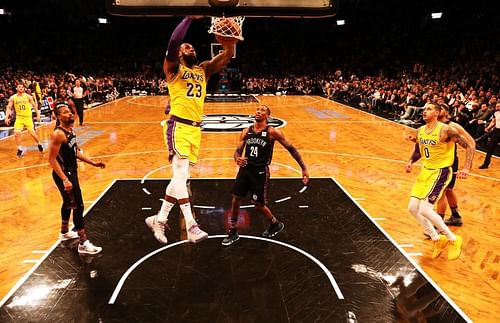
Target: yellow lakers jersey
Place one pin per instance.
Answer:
(22, 105)
(435, 154)
(187, 93)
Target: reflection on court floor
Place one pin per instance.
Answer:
(330, 264)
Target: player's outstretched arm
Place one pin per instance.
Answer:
(219, 61)
(464, 134)
(35, 106)
(56, 140)
(238, 153)
(453, 135)
(280, 137)
(86, 159)
(9, 110)
(171, 63)
(413, 158)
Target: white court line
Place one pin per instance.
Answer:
(335, 121)
(120, 284)
(146, 208)
(384, 119)
(22, 280)
(246, 206)
(303, 206)
(122, 122)
(145, 190)
(204, 207)
(302, 151)
(40, 251)
(411, 260)
(30, 261)
(303, 189)
(378, 219)
(43, 124)
(408, 245)
(283, 199)
(215, 158)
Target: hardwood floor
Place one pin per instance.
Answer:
(365, 153)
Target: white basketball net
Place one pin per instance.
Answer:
(227, 30)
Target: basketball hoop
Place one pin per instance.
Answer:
(227, 27)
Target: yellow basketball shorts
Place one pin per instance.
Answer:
(182, 139)
(23, 122)
(431, 183)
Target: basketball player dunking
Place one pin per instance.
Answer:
(187, 82)
(253, 175)
(435, 142)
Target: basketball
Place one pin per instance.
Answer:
(227, 30)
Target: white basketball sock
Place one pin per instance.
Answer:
(166, 207)
(414, 208)
(188, 216)
(427, 211)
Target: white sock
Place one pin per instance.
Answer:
(414, 208)
(188, 216)
(166, 207)
(427, 211)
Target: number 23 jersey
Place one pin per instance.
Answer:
(187, 93)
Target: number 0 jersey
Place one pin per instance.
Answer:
(187, 93)
(435, 154)
(258, 147)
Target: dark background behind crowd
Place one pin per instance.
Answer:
(389, 58)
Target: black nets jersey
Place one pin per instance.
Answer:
(258, 147)
(67, 152)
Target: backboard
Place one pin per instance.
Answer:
(227, 8)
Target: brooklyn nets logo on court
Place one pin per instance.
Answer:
(234, 122)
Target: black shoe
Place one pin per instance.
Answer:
(20, 153)
(483, 166)
(40, 148)
(273, 229)
(454, 221)
(232, 237)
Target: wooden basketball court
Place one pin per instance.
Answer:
(364, 153)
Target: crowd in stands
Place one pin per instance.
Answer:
(471, 92)
(389, 63)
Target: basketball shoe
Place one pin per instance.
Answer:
(274, 229)
(232, 237)
(88, 248)
(454, 221)
(439, 246)
(455, 248)
(157, 227)
(68, 235)
(195, 234)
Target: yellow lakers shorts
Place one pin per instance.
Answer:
(23, 122)
(431, 183)
(182, 139)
